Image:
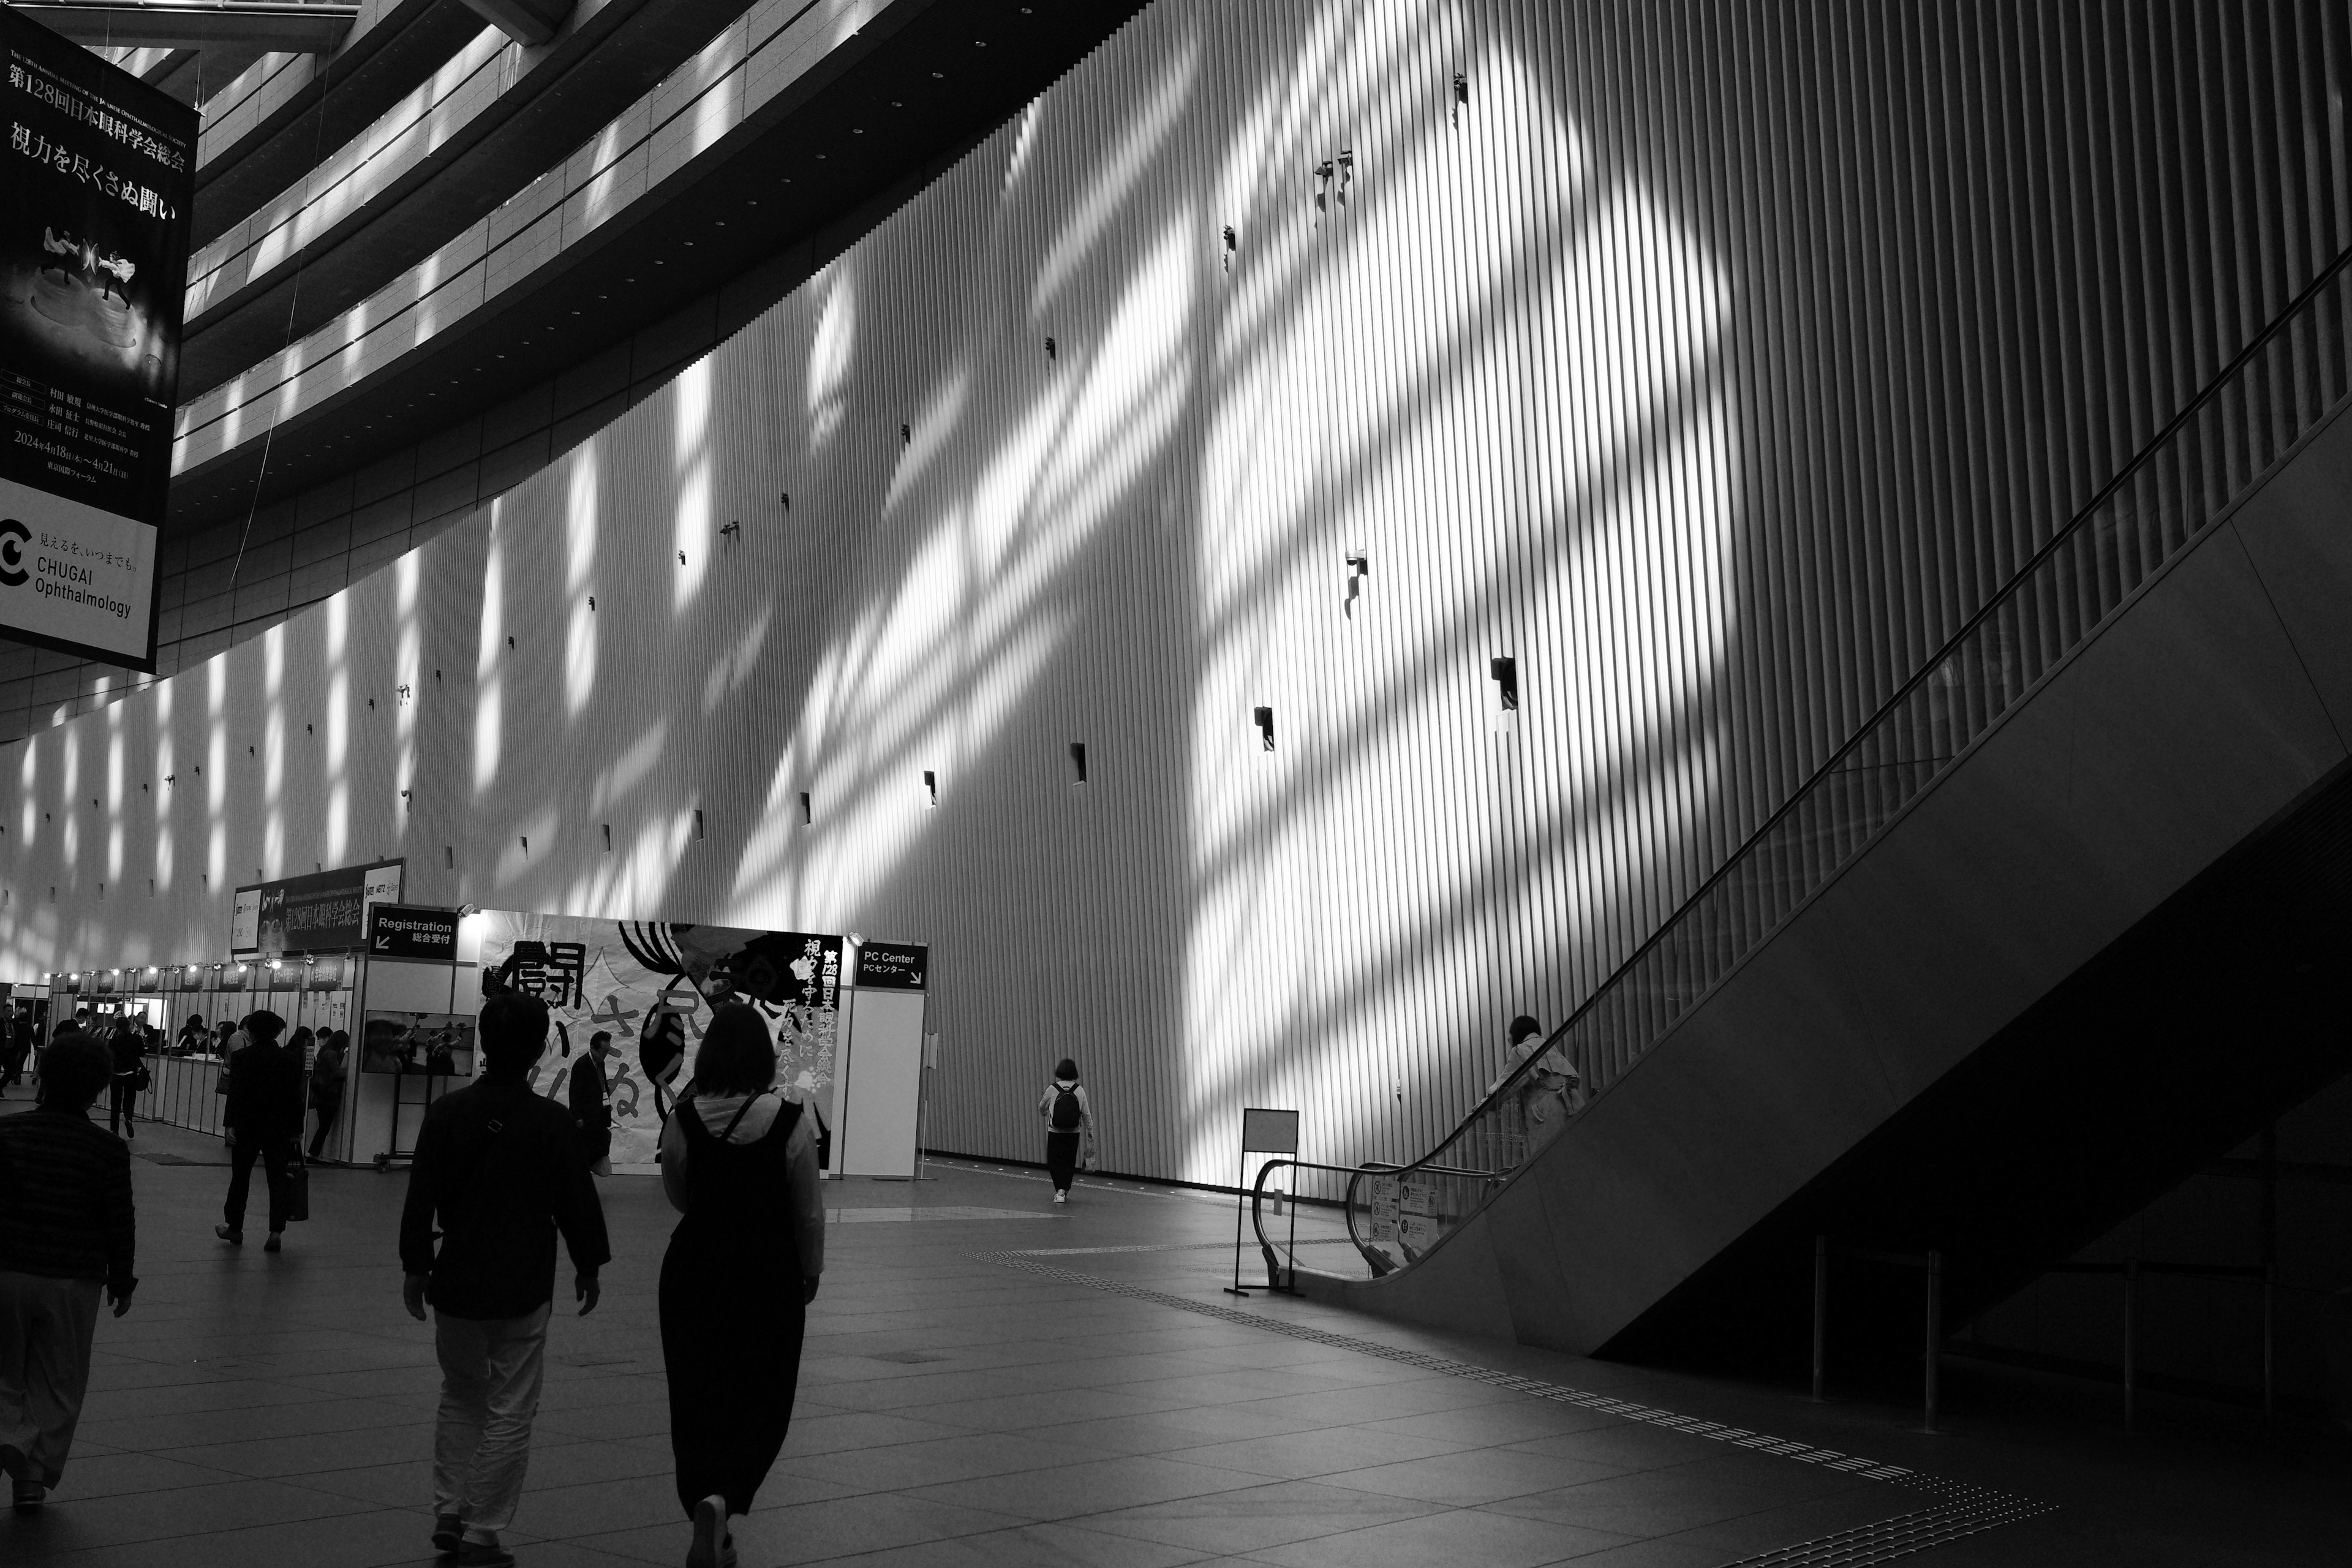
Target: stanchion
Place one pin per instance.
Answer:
(1821, 1317)
(2131, 1344)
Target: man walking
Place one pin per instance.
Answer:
(500, 1169)
(262, 1120)
(592, 1103)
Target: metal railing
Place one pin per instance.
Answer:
(2276, 391)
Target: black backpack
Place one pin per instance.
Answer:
(1067, 1113)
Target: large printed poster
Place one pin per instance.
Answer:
(96, 185)
(652, 984)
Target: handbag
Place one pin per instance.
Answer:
(297, 1189)
(142, 1080)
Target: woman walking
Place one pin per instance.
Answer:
(738, 1160)
(124, 1043)
(1069, 1123)
(327, 1086)
(66, 1235)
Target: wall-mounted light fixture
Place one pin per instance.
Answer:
(1233, 244)
(591, 603)
(1360, 568)
(806, 817)
(1077, 764)
(510, 639)
(787, 499)
(1264, 719)
(608, 837)
(732, 530)
(698, 822)
(1049, 348)
(1504, 671)
(906, 435)
(681, 557)
(931, 788)
(1461, 95)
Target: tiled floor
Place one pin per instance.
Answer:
(258, 1410)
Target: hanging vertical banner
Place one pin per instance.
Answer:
(652, 985)
(96, 186)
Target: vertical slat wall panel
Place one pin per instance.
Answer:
(1712, 361)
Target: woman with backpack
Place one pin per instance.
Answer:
(1069, 1123)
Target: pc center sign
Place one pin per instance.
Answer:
(96, 180)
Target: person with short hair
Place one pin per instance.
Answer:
(1548, 1094)
(738, 1163)
(591, 1096)
(499, 1170)
(68, 1233)
(262, 1121)
(1069, 1128)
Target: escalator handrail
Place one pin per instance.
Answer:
(1952, 648)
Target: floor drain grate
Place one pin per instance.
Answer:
(1964, 1509)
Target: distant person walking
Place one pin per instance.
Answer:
(128, 1047)
(1547, 1095)
(327, 1078)
(262, 1120)
(739, 1162)
(499, 1170)
(1069, 1128)
(16, 1037)
(67, 1233)
(591, 1094)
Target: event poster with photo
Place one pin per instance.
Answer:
(99, 177)
(438, 1044)
(647, 982)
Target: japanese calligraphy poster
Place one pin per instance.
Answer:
(652, 984)
(95, 188)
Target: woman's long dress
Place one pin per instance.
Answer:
(732, 1313)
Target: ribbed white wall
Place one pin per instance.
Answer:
(1711, 362)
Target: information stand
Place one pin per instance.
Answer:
(1263, 1132)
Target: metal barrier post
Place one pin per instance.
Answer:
(2131, 1344)
(1934, 1329)
(1821, 1316)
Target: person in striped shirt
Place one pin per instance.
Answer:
(67, 1235)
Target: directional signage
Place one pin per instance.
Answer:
(892, 966)
(401, 931)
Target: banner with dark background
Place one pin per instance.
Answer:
(98, 178)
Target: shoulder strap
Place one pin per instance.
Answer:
(744, 1111)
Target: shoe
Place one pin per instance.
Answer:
(233, 1237)
(448, 1532)
(30, 1495)
(711, 1545)
(482, 1554)
(275, 1242)
(1061, 1197)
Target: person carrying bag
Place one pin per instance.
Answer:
(1069, 1128)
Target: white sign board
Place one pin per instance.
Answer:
(74, 576)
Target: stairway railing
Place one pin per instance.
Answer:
(2247, 419)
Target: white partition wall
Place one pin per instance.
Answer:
(881, 1082)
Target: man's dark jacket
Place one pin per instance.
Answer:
(500, 1169)
(590, 1111)
(265, 1093)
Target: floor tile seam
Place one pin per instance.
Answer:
(1959, 1492)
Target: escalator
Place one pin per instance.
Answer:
(2070, 915)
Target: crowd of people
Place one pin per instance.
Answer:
(500, 1171)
